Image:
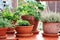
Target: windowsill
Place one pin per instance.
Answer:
(34, 37)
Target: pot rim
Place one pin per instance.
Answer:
(3, 28)
(26, 15)
(51, 22)
(25, 26)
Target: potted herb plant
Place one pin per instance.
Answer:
(4, 24)
(30, 12)
(23, 28)
(51, 23)
(10, 16)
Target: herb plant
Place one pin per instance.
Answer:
(9, 15)
(4, 23)
(23, 23)
(50, 17)
(31, 8)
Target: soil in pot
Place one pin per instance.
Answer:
(32, 21)
(3, 32)
(10, 31)
(51, 28)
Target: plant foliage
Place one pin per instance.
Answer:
(8, 15)
(31, 8)
(23, 23)
(50, 17)
(5, 23)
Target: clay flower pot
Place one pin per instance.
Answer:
(3, 31)
(32, 21)
(35, 25)
(28, 18)
(10, 31)
(24, 29)
(51, 28)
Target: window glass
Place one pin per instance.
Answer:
(1, 4)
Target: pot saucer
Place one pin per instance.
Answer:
(50, 35)
(2, 37)
(24, 35)
(36, 32)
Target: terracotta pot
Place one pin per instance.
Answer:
(24, 29)
(29, 18)
(32, 21)
(51, 28)
(35, 25)
(3, 31)
(10, 30)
